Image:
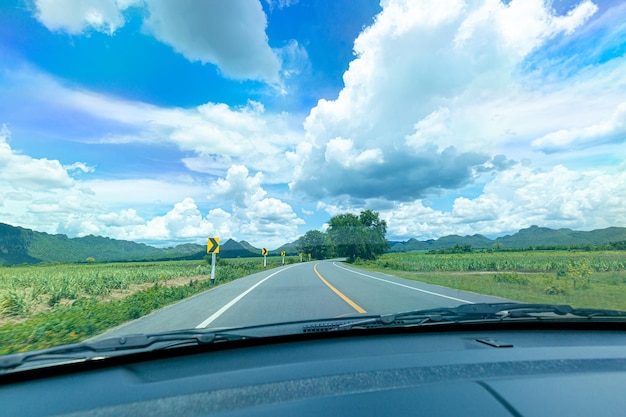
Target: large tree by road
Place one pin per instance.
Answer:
(360, 236)
(317, 244)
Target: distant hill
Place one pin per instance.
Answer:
(542, 236)
(234, 249)
(19, 245)
(533, 236)
(24, 246)
(289, 248)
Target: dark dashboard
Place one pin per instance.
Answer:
(477, 372)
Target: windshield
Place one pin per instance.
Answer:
(169, 165)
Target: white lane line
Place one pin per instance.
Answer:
(402, 285)
(236, 299)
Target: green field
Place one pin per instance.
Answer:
(48, 305)
(581, 279)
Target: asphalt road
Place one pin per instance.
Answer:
(303, 291)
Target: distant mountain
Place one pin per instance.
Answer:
(476, 241)
(249, 247)
(14, 243)
(19, 245)
(289, 248)
(233, 249)
(533, 236)
(24, 246)
(542, 236)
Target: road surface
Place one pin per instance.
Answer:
(302, 291)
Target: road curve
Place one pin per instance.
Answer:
(303, 291)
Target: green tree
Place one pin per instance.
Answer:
(317, 244)
(360, 236)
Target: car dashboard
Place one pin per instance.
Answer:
(480, 371)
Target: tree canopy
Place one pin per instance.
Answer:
(317, 244)
(360, 236)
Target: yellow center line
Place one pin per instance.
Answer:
(339, 293)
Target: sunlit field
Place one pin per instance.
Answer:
(48, 305)
(581, 279)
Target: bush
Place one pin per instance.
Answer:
(511, 278)
(554, 288)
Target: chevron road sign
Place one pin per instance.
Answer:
(213, 245)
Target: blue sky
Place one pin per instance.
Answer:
(168, 122)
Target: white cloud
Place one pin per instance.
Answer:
(611, 130)
(519, 198)
(215, 134)
(520, 26)
(24, 172)
(74, 16)
(229, 34)
(123, 218)
(182, 223)
(264, 220)
(281, 4)
(341, 151)
(437, 89)
(78, 166)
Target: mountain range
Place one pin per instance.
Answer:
(19, 245)
(532, 237)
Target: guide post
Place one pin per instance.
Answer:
(213, 247)
(264, 253)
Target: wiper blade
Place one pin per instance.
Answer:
(481, 312)
(115, 346)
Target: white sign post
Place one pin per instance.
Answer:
(264, 253)
(213, 247)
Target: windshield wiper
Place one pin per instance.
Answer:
(114, 346)
(481, 312)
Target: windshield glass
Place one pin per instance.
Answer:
(170, 165)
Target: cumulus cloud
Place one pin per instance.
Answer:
(123, 218)
(267, 220)
(435, 91)
(24, 172)
(183, 222)
(74, 17)
(518, 198)
(229, 34)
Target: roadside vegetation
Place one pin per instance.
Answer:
(594, 279)
(348, 235)
(49, 305)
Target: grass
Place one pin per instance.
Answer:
(49, 305)
(596, 280)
